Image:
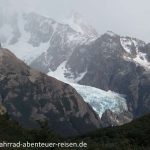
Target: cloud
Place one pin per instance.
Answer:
(126, 17)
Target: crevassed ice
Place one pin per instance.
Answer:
(99, 99)
(102, 100)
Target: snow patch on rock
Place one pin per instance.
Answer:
(132, 45)
(126, 44)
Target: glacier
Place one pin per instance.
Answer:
(100, 100)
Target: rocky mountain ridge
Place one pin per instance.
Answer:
(30, 96)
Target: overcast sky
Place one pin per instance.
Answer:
(125, 17)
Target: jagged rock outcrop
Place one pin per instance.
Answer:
(29, 95)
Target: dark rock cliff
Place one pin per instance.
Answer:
(29, 95)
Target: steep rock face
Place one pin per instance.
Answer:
(96, 58)
(29, 95)
(144, 94)
(110, 118)
(118, 64)
(146, 49)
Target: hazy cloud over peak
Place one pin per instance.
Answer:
(126, 17)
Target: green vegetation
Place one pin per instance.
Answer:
(11, 131)
(133, 136)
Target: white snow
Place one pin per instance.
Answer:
(80, 76)
(99, 99)
(141, 60)
(60, 72)
(140, 57)
(23, 49)
(26, 51)
(126, 44)
(80, 39)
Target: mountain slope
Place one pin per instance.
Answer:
(40, 41)
(109, 62)
(100, 100)
(47, 45)
(29, 95)
(115, 63)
